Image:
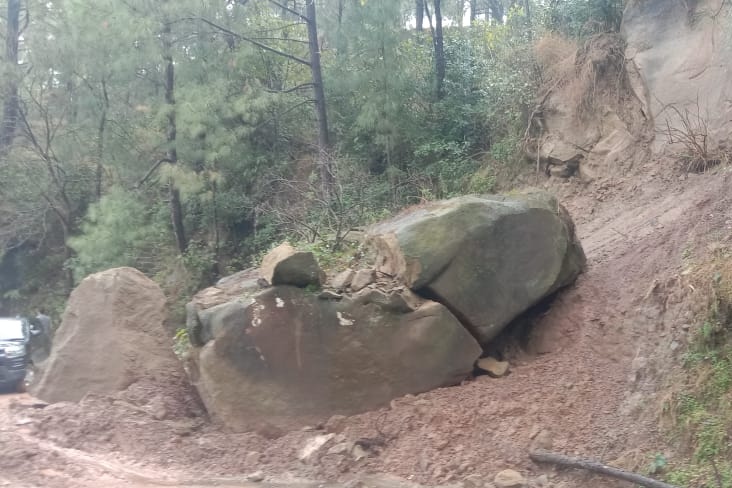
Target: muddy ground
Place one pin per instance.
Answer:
(587, 378)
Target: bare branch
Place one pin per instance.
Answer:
(251, 41)
(152, 169)
(288, 9)
(294, 88)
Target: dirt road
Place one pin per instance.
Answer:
(588, 380)
(27, 461)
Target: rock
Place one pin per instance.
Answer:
(158, 409)
(341, 448)
(215, 321)
(543, 440)
(487, 258)
(312, 446)
(542, 481)
(336, 423)
(493, 367)
(295, 360)
(112, 335)
(508, 478)
(343, 279)
(255, 477)
(240, 284)
(253, 458)
(362, 279)
(359, 453)
(329, 295)
(193, 324)
(284, 265)
(474, 481)
(397, 302)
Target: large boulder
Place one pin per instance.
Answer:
(488, 259)
(283, 357)
(112, 335)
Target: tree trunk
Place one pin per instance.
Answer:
(176, 208)
(419, 15)
(473, 11)
(497, 12)
(527, 12)
(11, 106)
(100, 140)
(439, 53)
(326, 172)
(594, 466)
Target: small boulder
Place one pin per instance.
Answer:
(255, 477)
(343, 279)
(508, 478)
(253, 458)
(493, 366)
(284, 265)
(329, 295)
(362, 279)
(312, 446)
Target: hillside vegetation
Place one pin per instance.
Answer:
(183, 138)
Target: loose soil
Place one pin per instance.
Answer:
(586, 379)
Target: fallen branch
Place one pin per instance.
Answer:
(597, 467)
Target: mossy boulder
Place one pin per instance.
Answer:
(487, 258)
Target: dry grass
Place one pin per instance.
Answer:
(600, 72)
(588, 74)
(585, 79)
(687, 129)
(555, 57)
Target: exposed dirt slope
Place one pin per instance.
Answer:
(586, 384)
(681, 51)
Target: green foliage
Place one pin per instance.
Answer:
(245, 127)
(181, 343)
(482, 182)
(702, 410)
(346, 256)
(120, 230)
(583, 18)
(658, 464)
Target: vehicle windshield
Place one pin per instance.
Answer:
(11, 330)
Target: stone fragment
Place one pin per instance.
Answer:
(509, 478)
(493, 367)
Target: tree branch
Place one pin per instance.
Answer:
(294, 88)
(250, 40)
(278, 39)
(288, 9)
(596, 467)
(294, 107)
(151, 171)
